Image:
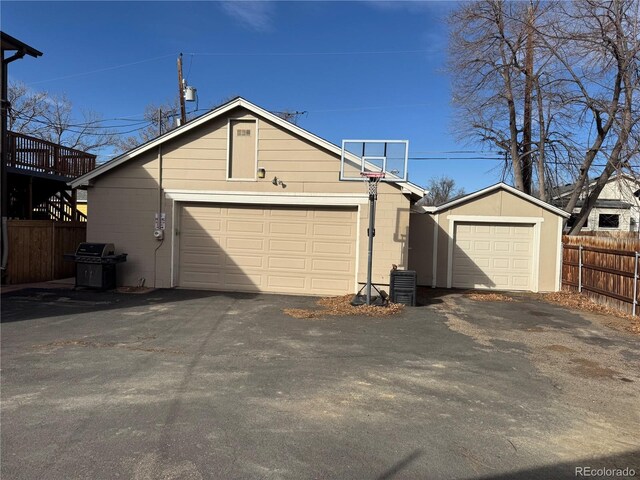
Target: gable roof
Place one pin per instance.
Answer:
(565, 190)
(215, 113)
(492, 188)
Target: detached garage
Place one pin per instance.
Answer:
(497, 238)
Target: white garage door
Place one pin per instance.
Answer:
(498, 256)
(268, 249)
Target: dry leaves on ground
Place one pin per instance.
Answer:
(577, 301)
(341, 306)
(489, 297)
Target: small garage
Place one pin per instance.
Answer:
(496, 239)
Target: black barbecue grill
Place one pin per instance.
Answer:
(96, 265)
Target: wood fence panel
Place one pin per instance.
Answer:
(570, 267)
(603, 270)
(67, 237)
(36, 249)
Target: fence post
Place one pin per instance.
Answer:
(561, 265)
(635, 284)
(580, 268)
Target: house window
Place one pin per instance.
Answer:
(572, 221)
(608, 220)
(242, 153)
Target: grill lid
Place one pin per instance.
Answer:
(95, 249)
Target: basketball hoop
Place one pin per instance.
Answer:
(373, 178)
(370, 161)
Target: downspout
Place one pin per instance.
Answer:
(159, 217)
(5, 156)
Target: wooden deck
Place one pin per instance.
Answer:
(33, 155)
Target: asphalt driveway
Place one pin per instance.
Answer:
(178, 384)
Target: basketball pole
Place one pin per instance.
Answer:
(371, 232)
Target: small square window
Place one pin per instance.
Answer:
(608, 220)
(244, 132)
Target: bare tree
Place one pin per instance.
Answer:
(551, 84)
(51, 118)
(160, 119)
(441, 190)
(599, 47)
(497, 68)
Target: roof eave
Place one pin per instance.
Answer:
(508, 188)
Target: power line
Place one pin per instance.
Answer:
(303, 54)
(548, 162)
(113, 67)
(92, 124)
(93, 133)
(378, 107)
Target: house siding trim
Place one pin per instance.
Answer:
(436, 228)
(268, 198)
(559, 257)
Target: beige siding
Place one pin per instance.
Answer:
(421, 247)
(124, 200)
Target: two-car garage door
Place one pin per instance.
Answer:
(493, 255)
(253, 248)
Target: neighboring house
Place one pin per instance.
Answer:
(81, 201)
(253, 203)
(616, 209)
(496, 238)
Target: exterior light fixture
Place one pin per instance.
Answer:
(262, 173)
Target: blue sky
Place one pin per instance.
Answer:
(360, 69)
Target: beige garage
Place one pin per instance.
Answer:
(497, 238)
(268, 249)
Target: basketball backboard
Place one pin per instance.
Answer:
(364, 156)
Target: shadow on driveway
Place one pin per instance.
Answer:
(40, 303)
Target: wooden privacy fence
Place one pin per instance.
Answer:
(608, 275)
(36, 249)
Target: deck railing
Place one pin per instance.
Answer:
(35, 155)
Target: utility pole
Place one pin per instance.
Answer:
(183, 110)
